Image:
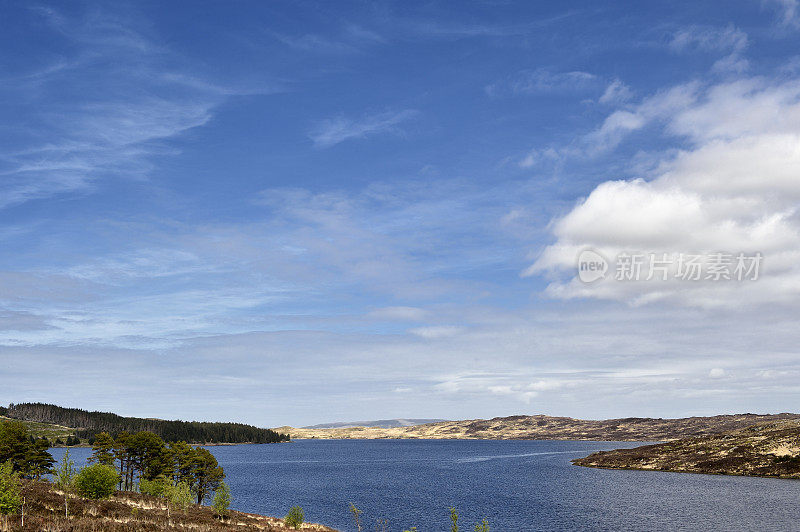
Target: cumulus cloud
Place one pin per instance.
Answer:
(734, 188)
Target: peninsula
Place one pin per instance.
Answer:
(769, 449)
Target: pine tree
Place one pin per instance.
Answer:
(15, 445)
(185, 458)
(103, 449)
(38, 460)
(207, 474)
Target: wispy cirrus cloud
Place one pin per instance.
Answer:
(352, 38)
(616, 92)
(100, 112)
(788, 11)
(541, 80)
(706, 38)
(729, 40)
(332, 131)
(618, 126)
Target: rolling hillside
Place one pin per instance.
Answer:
(541, 427)
(46, 430)
(380, 423)
(87, 424)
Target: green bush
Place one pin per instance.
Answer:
(222, 500)
(179, 495)
(10, 489)
(156, 487)
(295, 517)
(96, 481)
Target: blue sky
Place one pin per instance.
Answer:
(291, 213)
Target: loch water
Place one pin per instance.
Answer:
(516, 485)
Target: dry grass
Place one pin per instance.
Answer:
(126, 511)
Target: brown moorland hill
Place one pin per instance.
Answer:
(766, 450)
(541, 427)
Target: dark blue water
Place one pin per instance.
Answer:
(517, 485)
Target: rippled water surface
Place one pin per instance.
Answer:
(517, 485)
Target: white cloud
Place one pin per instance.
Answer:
(332, 131)
(717, 373)
(616, 92)
(545, 385)
(735, 188)
(400, 313)
(731, 63)
(536, 156)
(436, 331)
(728, 40)
(788, 11)
(620, 124)
(709, 39)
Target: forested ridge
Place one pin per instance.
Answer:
(88, 424)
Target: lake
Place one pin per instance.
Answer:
(517, 485)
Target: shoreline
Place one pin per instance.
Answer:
(719, 474)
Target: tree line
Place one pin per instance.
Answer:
(176, 472)
(88, 424)
(145, 457)
(141, 459)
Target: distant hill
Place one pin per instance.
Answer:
(380, 423)
(541, 427)
(87, 424)
(770, 449)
